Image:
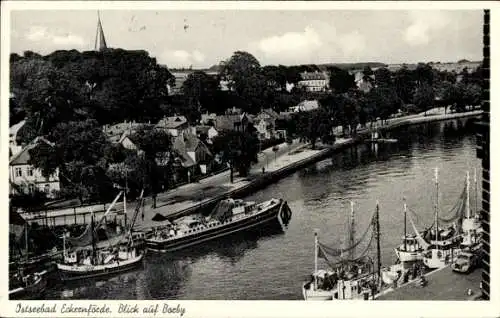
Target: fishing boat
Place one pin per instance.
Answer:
(410, 250)
(229, 216)
(101, 258)
(26, 282)
(348, 279)
(27, 286)
(471, 223)
(444, 243)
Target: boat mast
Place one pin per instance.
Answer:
(436, 206)
(475, 192)
(404, 240)
(315, 259)
(467, 197)
(379, 261)
(26, 239)
(351, 233)
(93, 236)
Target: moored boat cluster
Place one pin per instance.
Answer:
(457, 244)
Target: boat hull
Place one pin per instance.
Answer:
(270, 216)
(33, 291)
(310, 294)
(69, 273)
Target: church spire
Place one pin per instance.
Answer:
(100, 40)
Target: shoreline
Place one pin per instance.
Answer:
(296, 159)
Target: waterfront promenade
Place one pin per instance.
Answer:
(206, 192)
(442, 284)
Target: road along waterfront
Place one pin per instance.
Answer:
(274, 265)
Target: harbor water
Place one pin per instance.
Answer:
(272, 266)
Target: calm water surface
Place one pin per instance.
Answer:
(273, 265)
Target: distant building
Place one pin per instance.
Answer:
(265, 128)
(364, 84)
(115, 133)
(209, 131)
(232, 122)
(208, 119)
(314, 81)
(174, 125)
(25, 178)
(14, 147)
(192, 151)
(304, 106)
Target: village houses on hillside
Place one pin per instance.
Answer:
(26, 179)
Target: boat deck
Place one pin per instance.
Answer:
(443, 284)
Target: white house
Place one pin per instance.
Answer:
(314, 81)
(13, 130)
(26, 178)
(265, 128)
(304, 106)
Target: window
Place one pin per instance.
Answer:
(46, 189)
(19, 172)
(30, 171)
(31, 188)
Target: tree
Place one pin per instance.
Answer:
(424, 97)
(405, 84)
(424, 74)
(383, 77)
(340, 80)
(200, 89)
(78, 152)
(152, 142)
(239, 149)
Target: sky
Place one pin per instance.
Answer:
(203, 38)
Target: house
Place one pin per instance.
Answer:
(233, 122)
(208, 132)
(267, 113)
(115, 133)
(304, 106)
(192, 151)
(364, 83)
(26, 178)
(265, 128)
(14, 147)
(314, 81)
(208, 119)
(174, 125)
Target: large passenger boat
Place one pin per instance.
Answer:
(229, 216)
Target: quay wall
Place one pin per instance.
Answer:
(267, 178)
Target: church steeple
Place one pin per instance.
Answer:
(100, 40)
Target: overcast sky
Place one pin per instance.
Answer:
(204, 38)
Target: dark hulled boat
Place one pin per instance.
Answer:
(229, 216)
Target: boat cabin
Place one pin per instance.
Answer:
(410, 243)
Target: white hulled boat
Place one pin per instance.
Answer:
(111, 257)
(230, 216)
(471, 224)
(410, 250)
(444, 243)
(353, 279)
